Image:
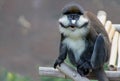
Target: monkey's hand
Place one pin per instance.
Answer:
(58, 62)
(84, 68)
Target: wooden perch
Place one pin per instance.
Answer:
(111, 33)
(113, 54)
(108, 26)
(118, 65)
(102, 16)
(117, 27)
(67, 72)
(63, 71)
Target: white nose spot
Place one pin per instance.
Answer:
(73, 21)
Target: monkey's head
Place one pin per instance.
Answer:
(73, 22)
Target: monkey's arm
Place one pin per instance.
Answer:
(99, 54)
(62, 53)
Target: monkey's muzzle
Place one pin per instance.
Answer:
(72, 28)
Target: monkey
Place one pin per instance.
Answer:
(84, 40)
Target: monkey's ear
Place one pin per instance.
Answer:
(99, 52)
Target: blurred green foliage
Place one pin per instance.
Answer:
(8, 76)
(56, 79)
(53, 79)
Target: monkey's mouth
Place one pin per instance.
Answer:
(77, 26)
(72, 28)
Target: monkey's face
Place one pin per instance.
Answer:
(74, 25)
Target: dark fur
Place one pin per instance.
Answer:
(97, 46)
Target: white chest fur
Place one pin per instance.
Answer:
(76, 45)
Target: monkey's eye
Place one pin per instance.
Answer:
(73, 16)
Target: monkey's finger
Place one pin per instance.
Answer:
(55, 65)
(59, 64)
(80, 72)
(86, 71)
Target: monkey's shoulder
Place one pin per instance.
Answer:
(95, 23)
(93, 19)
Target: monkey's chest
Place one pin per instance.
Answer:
(76, 46)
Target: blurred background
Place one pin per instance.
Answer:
(29, 35)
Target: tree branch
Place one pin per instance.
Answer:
(66, 72)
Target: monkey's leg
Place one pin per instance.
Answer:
(100, 74)
(98, 58)
(99, 53)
